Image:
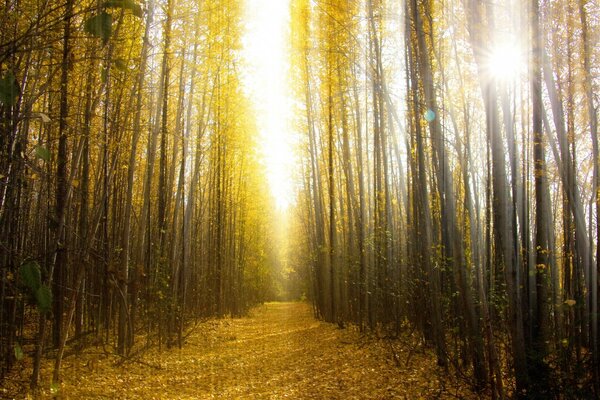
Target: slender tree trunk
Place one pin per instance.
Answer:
(593, 124)
(60, 266)
(131, 169)
(503, 226)
(538, 368)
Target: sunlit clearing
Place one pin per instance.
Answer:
(266, 54)
(506, 62)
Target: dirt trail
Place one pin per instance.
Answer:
(280, 351)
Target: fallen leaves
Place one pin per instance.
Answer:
(278, 352)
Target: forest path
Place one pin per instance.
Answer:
(278, 351)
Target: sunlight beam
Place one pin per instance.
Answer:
(265, 51)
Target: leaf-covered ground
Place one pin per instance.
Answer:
(280, 351)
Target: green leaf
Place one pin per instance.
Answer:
(9, 89)
(43, 153)
(135, 8)
(43, 296)
(121, 64)
(54, 388)
(99, 26)
(104, 75)
(18, 352)
(31, 275)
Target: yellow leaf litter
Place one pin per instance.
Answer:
(278, 352)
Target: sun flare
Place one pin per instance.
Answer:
(505, 61)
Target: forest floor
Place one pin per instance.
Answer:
(278, 351)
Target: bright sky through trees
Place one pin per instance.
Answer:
(506, 61)
(265, 78)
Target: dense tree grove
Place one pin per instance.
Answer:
(448, 180)
(131, 196)
(451, 190)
